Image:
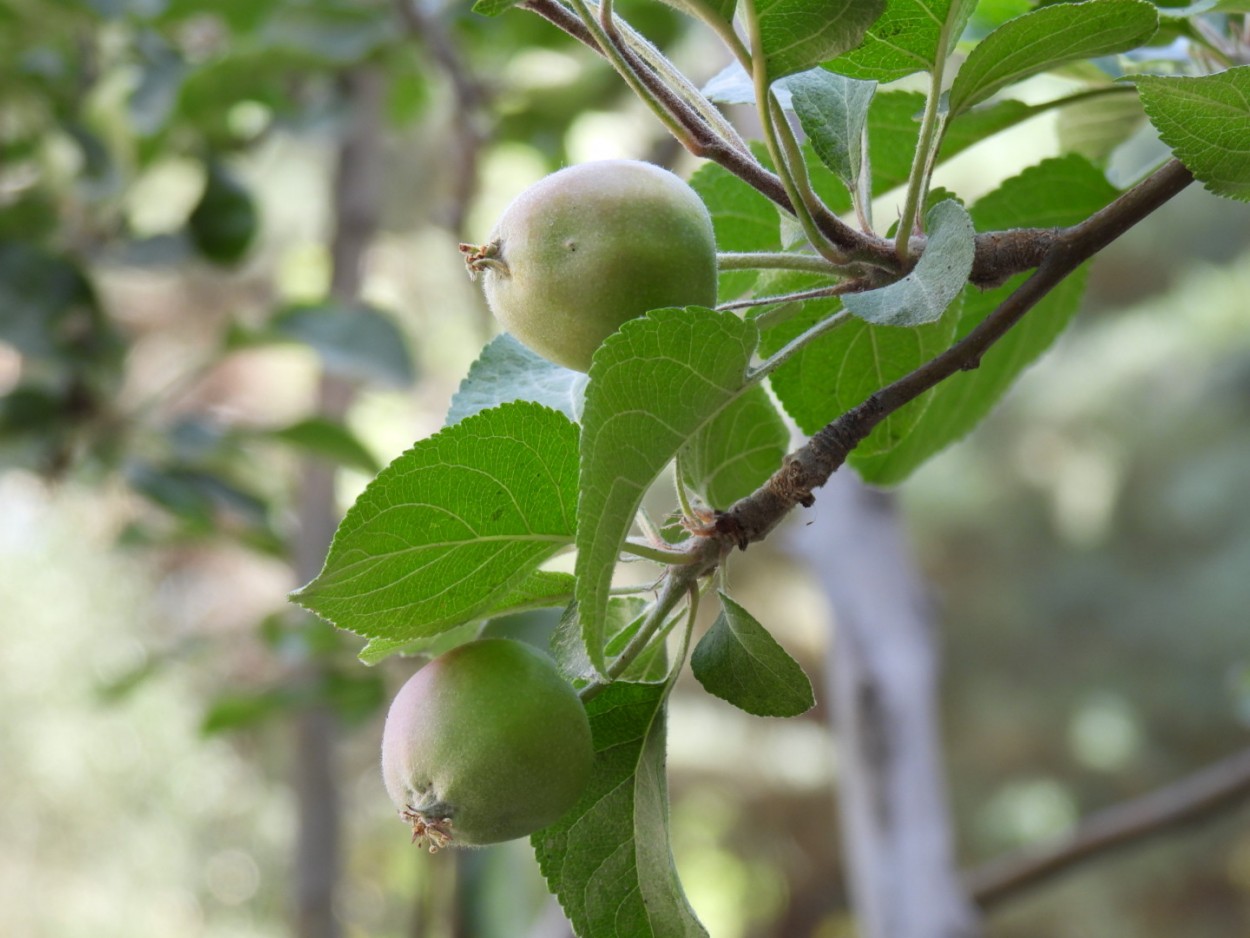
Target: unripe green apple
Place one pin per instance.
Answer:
(224, 222)
(486, 743)
(589, 247)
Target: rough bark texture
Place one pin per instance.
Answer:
(883, 671)
(318, 844)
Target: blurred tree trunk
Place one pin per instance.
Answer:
(883, 670)
(356, 210)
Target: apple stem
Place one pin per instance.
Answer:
(480, 257)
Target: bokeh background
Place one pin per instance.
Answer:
(172, 313)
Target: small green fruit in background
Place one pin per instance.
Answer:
(590, 247)
(486, 743)
(224, 222)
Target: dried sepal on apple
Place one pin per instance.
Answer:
(486, 743)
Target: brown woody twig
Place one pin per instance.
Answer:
(810, 466)
(1051, 253)
(1218, 787)
(999, 255)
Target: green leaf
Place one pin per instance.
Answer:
(327, 439)
(652, 665)
(430, 646)
(608, 860)
(833, 373)
(742, 218)
(452, 526)
(161, 69)
(894, 129)
(1046, 37)
(354, 697)
(938, 277)
(1094, 128)
(626, 615)
(732, 85)
(736, 452)
(542, 589)
(508, 371)
(238, 710)
(31, 217)
(797, 34)
(653, 385)
(329, 34)
(833, 110)
(904, 40)
(354, 340)
(893, 132)
(962, 400)
(739, 661)
(621, 622)
(973, 126)
(1206, 122)
(1193, 9)
(826, 184)
(48, 308)
(198, 496)
(206, 502)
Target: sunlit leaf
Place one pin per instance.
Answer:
(452, 526)
(1206, 122)
(961, 401)
(1046, 37)
(653, 385)
(905, 39)
(736, 452)
(797, 34)
(508, 371)
(742, 218)
(608, 860)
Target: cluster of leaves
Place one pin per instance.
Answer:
(535, 460)
(100, 96)
(113, 90)
(103, 96)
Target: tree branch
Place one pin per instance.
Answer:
(810, 466)
(1054, 253)
(472, 98)
(1208, 791)
(882, 671)
(999, 255)
(318, 857)
(706, 143)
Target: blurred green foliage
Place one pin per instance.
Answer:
(1089, 544)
